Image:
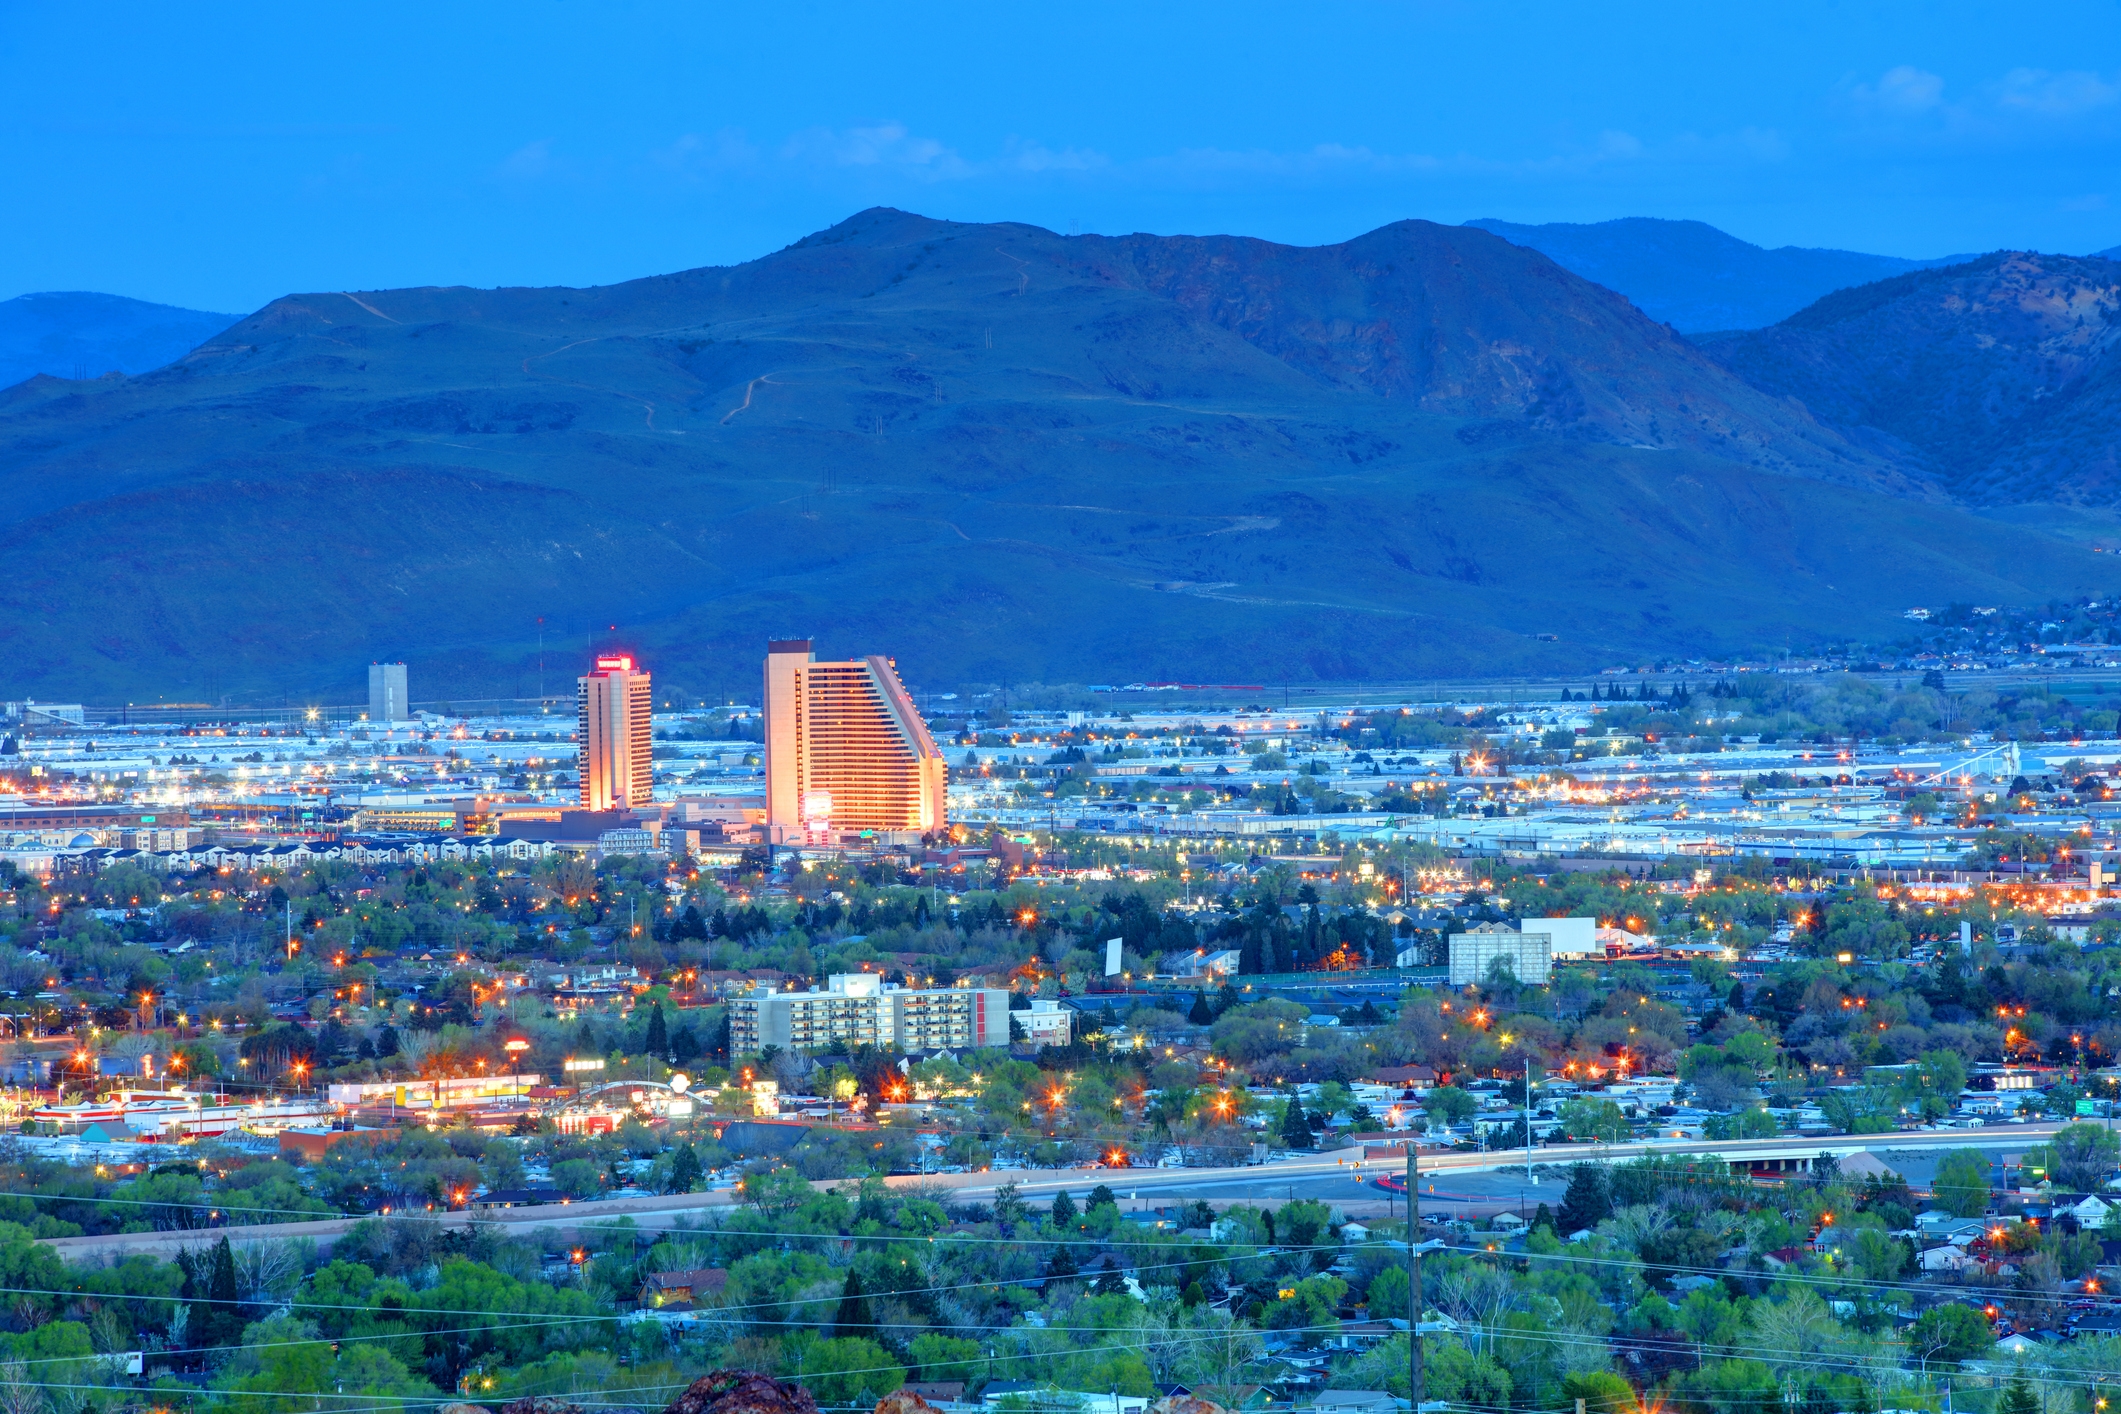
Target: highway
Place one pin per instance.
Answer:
(1454, 1183)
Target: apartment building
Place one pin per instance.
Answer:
(861, 1009)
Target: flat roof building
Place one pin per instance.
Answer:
(1529, 956)
(846, 750)
(615, 762)
(860, 1008)
(387, 701)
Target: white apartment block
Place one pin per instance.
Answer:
(860, 1008)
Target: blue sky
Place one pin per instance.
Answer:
(217, 156)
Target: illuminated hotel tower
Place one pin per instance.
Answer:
(845, 749)
(611, 724)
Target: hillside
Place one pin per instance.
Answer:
(1999, 376)
(994, 451)
(69, 335)
(1699, 279)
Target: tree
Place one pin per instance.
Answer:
(1295, 1128)
(2081, 1157)
(1602, 1392)
(1594, 1119)
(1588, 1201)
(1101, 1196)
(658, 1042)
(1009, 1208)
(685, 1172)
(1386, 1297)
(224, 1315)
(1111, 1281)
(1950, 1333)
(945, 1357)
(1448, 1103)
(1199, 1014)
(2018, 1397)
(1961, 1185)
(852, 1317)
(387, 1042)
(845, 1373)
(1063, 1210)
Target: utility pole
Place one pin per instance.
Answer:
(1414, 1371)
(1528, 1121)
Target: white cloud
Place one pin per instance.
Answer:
(887, 146)
(695, 154)
(529, 162)
(2062, 95)
(1902, 89)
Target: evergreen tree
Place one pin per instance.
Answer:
(1063, 1210)
(386, 1042)
(1110, 1281)
(1100, 1197)
(1284, 947)
(1588, 1201)
(2018, 1397)
(1193, 1295)
(684, 1044)
(685, 1172)
(1295, 1128)
(852, 1317)
(718, 1040)
(658, 1043)
(1062, 1262)
(1199, 1015)
(1250, 958)
(1226, 997)
(224, 1313)
(1544, 1218)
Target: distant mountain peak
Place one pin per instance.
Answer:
(1697, 278)
(84, 334)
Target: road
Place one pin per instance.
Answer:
(1453, 1182)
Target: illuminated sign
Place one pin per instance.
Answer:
(576, 1066)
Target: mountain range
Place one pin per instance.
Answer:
(1999, 377)
(1698, 279)
(999, 453)
(83, 335)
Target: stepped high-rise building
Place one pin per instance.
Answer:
(612, 708)
(846, 751)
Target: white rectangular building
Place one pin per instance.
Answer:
(1567, 938)
(1528, 955)
(387, 701)
(860, 1008)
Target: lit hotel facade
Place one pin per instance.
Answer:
(846, 751)
(612, 707)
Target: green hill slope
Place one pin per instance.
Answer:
(991, 450)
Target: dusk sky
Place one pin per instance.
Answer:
(216, 156)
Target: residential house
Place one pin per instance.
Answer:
(683, 1289)
(1355, 1401)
